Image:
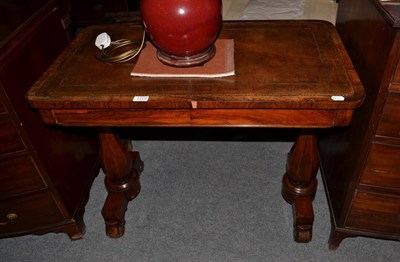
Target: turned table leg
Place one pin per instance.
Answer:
(299, 184)
(122, 168)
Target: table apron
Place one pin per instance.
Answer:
(290, 118)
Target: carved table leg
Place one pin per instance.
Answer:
(122, 168)
(299, 184)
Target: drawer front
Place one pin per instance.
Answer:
(375, 212)
(10, 141)
(383, 167)
(19, 175)
(390, 120)
(28, 213)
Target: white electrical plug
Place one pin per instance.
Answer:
(103, 41)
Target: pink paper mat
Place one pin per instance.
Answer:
(221, 65)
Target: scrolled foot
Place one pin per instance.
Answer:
(302, 233)
(115, 229)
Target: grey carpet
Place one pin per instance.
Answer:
(203, 201)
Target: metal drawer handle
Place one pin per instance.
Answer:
(10, 217)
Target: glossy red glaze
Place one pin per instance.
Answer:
(182, 27)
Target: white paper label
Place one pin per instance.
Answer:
(337, 98)
(140, 98)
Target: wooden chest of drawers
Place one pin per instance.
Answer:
(361, 166)
(45, 173)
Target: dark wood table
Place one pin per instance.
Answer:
(289, 74)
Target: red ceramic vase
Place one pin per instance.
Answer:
(184, 31)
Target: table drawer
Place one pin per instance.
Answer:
(383, 167)
(10, 141)
(375, 212)
(28, 213)
(19, 175)
(390, 120)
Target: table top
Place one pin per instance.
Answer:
(278, 65)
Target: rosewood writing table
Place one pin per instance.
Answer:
(289, 74)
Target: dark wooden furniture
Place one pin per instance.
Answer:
(45, 173)
(89, 12)
(361, 165)
(286, 75)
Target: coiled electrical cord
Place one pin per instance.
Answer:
(121, 50)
